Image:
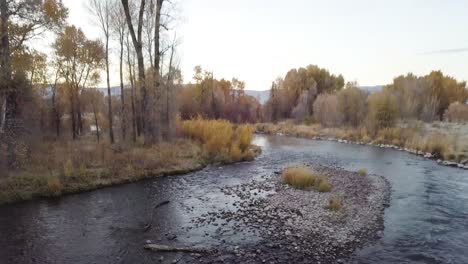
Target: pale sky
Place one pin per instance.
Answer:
(368, 41)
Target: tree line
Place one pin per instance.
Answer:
(312, 94)
(54, 87)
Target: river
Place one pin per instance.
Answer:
(426, 222)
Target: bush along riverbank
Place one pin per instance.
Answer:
(303, 214)
(412, 139)
(73, 167)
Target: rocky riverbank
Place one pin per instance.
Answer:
(451, 159)
(294, 226)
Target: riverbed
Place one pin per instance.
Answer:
(426, 221)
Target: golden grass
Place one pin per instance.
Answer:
(304, 178)
(222, 141)
(412, 136)
(334, 204)
(322, 185)
(78, 166)
(362, 172)
(299, 177)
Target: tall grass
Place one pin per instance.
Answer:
(78, 166)
(412, 136)
(299, 177)
(304, 178)
(222, 140)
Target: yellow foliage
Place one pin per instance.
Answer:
(244, 135)
(235, 153)
(68, 168)
(322, 185)
(362, 172)
(220, 139)
(54, 185)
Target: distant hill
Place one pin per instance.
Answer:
(372, 89)
(115, 91)
(262, 96)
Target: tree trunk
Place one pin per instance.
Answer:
(96, 122)
(72, 112)
(10, 121)
(137, 43)
(109, 98)
(55, 113)
(123, 113)
(157, 80)
(132, 95)
(168, 114)
(79, 114)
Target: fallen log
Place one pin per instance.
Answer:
(160, 204)
(166, 248)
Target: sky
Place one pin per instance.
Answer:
(368, 41)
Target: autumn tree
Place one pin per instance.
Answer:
(81, 59)
(20, 21)
(352, 103)
(326, 110)
(217, 99)
(383, 110)
(296, 93)
(93, 102)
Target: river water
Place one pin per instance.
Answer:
(427, 221)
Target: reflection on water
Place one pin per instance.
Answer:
(427, 221)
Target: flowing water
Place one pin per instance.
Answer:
(427, 221)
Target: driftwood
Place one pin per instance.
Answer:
(160, 204)
(165, 248)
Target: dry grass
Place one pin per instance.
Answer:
(79, 166)
(413, 136)
(322, 185)
(304, 178)
(299, 177)
(334, 204)
(67, 167)
(223, 141)
(362, 172)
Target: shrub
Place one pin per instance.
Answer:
(352, 105)
(322, 185)
(362, 172)
(334, 204)
(299, 177)
(437, 145)
(383, 110)
(326, 110)
(220, 139)
(456, 112)
(244, 135)
(235, 153)
(68, 168)
(54, 185)
(249, 155)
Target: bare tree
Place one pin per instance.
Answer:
(101, 9)
(130, 63)
(119, 25)
(148, 127)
